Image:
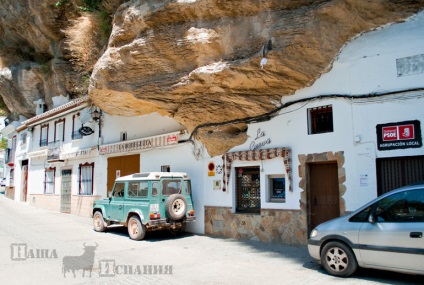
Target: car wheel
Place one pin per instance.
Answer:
(176, 207)
(136, 229)
(98, 222)
(338, 259)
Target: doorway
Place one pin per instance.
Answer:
(65, 191)
(120, 166)
(324, 197)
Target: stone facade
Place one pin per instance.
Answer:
(284, 226)
(80, 205)
(305, 159)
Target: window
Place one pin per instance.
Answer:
(11, 179)
(403, 207)
(59, 130)
(23, 138)
(118, 191)
(155, 186)
(86, 179)
(276, 188)
(170, 187)
(320, 120)
(124, 136)
(44, 135)
(188, 187)
(76, 125)
(138, 189)
(248, 190)
(49, 180)
(165, 168)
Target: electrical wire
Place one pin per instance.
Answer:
(358, 99)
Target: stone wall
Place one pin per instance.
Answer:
(82, 205)
(284, 226)
(9, 192)
(48, 202)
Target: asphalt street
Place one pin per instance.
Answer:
(46, 247)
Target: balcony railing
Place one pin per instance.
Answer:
(54, 149)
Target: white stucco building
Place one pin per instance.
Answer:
(331, 147)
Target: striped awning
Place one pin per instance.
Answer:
(254, 155)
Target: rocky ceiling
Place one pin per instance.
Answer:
(197, 61)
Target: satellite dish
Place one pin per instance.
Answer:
(85, 115)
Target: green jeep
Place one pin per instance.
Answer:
(147, 202)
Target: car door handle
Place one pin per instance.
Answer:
(416, 235)
(120, 207)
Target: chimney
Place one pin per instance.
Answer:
(40, 107)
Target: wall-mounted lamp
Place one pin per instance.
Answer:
(96, 115)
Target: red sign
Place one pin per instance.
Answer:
(401, 132)
(172, 139)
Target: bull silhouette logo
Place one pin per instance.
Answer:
(84, 261)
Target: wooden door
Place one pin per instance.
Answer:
(121, 166)
(323, 192)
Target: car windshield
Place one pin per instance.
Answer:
(171, 186)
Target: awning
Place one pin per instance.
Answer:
(140, 144)
(255, 155)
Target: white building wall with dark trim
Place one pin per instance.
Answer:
(366, 66)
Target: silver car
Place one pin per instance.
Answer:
(386, 233)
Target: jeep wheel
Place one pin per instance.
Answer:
(176, 207)
(136, 229)
(98, 222)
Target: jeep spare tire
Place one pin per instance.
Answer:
(176, 207)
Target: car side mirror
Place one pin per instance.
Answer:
(110, 196)
(372, 218)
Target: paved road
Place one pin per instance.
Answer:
(35, 244)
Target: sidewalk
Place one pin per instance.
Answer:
(159, 259)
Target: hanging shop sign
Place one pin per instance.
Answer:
(140, 144)
(85, 131)
(399, 135)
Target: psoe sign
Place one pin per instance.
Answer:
(399, 135)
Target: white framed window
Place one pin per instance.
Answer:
(86, 179)
(276, 188)
(49, 180)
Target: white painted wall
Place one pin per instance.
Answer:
(366, 65)
(137, 127)
(181, 159)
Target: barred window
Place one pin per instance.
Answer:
(320, 120)
(49, 180)
(86, 179)
(248, 190)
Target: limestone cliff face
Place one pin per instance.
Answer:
(198, 61)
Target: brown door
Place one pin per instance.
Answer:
(324, 193)
(121, 166)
